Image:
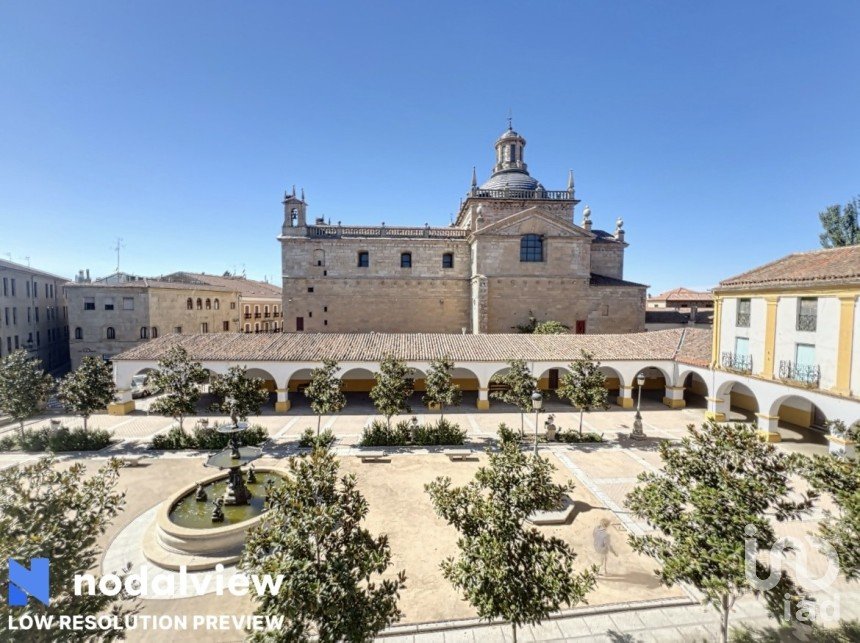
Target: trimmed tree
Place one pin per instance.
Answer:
(331, 565)
(440, 386)
(841, 225)
(584, 386)
(24, 386)
(393, 388)
(550, 327)
(325, 391)
(238, 395)
(180, 378)
(58, 514)
(719, 487)
(840, 478)
(505, 568)
(520, 384)
(87, 389)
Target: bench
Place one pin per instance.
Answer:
(371, 456)
(457, 454)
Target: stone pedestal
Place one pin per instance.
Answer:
(842, 448)
(123, 404)
(638, 432)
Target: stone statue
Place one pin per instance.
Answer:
(252, 476)
(218, 512)
(603, 542)
(200, 496)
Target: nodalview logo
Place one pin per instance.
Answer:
(24, 582)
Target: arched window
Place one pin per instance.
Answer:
(247, 311)
(208, 304)
(257, 327)
(189, 303)
(111, 333)
(217, 305)
(154, 332)
(199, 304)
(531, 247)
(79, 333)
(144, 332)
(247, 328)
(275, 310)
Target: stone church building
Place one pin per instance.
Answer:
(514, 251)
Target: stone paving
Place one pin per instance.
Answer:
(606, 471)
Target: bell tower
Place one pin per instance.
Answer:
(509, 151)
(295, 214)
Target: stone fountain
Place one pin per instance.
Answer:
(234, 457)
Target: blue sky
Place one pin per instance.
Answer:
(716, 130)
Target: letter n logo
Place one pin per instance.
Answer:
(25, 582)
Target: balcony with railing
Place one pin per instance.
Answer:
(735, 362)
(805, 374)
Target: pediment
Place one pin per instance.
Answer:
(534, 221)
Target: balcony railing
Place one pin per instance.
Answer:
(734, 362)
(337, 231)
(807, 322)
(806, 374)
(742, 320)
(553, 195)
(258, 315)
(247, 315)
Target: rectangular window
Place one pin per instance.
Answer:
(177, 330)
(6, 289)
(232, 305)
(28, 289)
(204, 327)
(448, 260)
(405, 259)
(742, 318)
(108, 303)
(38, 339)
(15, 316)
(300, 323)
(742, 346)
(325, 309)
(363, 259)
(29, 315)
(580, 327)
(225, 326)
(17, 345)
(325, 322)
(531, 248)
(807, 314)
(128, 303)
(8, 344)
(36, 310)
(7, 315)
(89, 303)
(310, 288)
(13, 287)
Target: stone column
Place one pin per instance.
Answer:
(767, 427)
(123, 405)
(625, 397)
(674, 397)
(718, 408)
(282, 405)
(769, 337)
(483, 399)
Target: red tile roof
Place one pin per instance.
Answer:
(832, 266)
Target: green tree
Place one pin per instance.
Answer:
(393, 388)
(325, 391)
(841, 226)
(440, 386)
(87, 389)
(180, 378)
(719, 486)
(840, 478)
(312, 535)
(24, 386)
(584, 386)
(237, 394)
(505, 568)
(550, 327)
(520, 385)
(59, 514)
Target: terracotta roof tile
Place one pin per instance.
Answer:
(300, 347)
(245, 287)
(803, 268)
(695, 347)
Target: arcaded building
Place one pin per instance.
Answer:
(513, 252)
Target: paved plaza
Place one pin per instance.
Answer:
(627, 605)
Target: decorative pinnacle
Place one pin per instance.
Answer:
(474, 178)
(294, 189)
(570, 180)
(303, 194)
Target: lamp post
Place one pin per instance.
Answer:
(638, 433)
(537, 402)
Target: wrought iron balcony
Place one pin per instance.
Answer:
(742, 320)
(807, 322)
(806, 374)
(734, 362)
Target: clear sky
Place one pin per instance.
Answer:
(717, 130)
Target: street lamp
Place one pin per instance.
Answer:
(638, 433)
(414, 427)
(537, 402)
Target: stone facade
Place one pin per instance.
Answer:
(513, 252)
(107, 319)
(34, 315)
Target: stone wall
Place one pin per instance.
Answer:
(607, 259)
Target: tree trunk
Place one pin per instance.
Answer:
(580, 422)
(21, 422)
(514, 630)
(522, 425)
(724, 624)
(85, 423)
(319, 421)
(180, 418)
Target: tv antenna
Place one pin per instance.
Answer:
(119, 246)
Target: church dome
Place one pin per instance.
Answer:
(513, 180)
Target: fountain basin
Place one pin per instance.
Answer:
(171, 545)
